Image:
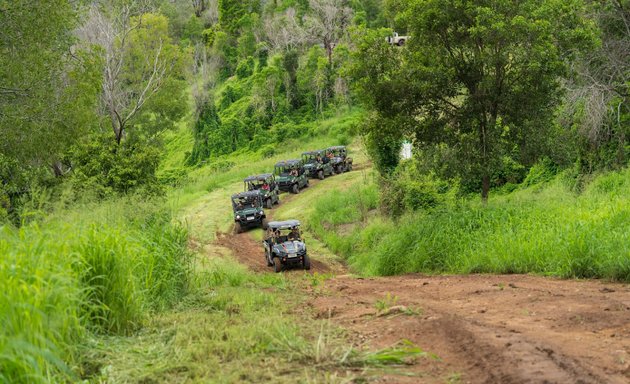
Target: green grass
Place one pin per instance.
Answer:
(545, 229)
(97, 269)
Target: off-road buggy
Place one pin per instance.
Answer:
(284, 246)
(339, 158)
(248, 211)
(290, 176)
(316, 164)
(267, 186)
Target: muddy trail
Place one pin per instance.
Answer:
(477, 328)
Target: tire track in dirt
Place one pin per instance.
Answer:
(492, 329)
(249, 252)
(484, 328)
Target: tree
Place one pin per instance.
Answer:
(33, 77)
(140, 60)
(231, 12)
(205, 128)
(284, 32)
(200, 7)
(48, 85)
(327, 22)
(478, 76)
(599, 95)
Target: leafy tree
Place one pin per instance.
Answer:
(48, 85)
(205, 128)
(475, 76)
(102, 167)
(231, 12)
(141, 61)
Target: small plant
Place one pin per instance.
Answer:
(386, 303)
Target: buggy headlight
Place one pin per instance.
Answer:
(238, 217)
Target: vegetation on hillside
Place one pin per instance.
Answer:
(546, 228)
(120, 117)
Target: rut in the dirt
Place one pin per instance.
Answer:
(493, 329)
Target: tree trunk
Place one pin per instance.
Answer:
(485, 188)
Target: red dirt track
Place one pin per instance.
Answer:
(482, 328)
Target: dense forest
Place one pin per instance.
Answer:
(114, 114)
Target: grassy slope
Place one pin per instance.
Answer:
(235, 326)
(544, 229)
(95, 269)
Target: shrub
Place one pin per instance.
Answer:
(104, 167)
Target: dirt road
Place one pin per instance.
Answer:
(482, 328)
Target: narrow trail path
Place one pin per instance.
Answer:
(482, 328)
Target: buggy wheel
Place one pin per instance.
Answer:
(277, 265)
(269, 262)
(268, 203)
(320, 175)
(306, 263)
(278, 200)
(295, 189)
(265, 224)
(308, 183)
(350, 167)
(237, 228)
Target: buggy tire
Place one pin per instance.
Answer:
(269, 263)
(308, 184)
(268, 203)
(265, 224)
(306, 263)
(295, 189)
(320, 175)
(237, 228)
(401, 42)
(277, 265)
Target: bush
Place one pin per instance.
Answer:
(245, 68)
(103, 167)
(541, 172)
(407, 189)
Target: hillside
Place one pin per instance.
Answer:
(494, 249)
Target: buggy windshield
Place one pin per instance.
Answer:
(312, 158)
(282, 171)
(279, 236)
(255, 185)
(242, 202)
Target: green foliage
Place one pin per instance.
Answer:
(232, 13)
(101, 167)
(245, 68)
(547, 230)
(408, 189)
(206, 126)
(540, 172)
(100, 268)
(466, 80)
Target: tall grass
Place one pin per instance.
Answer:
(101, 268)
(545, 228)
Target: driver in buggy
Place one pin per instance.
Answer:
(293, 172)
(265, 186)
(294, 234)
